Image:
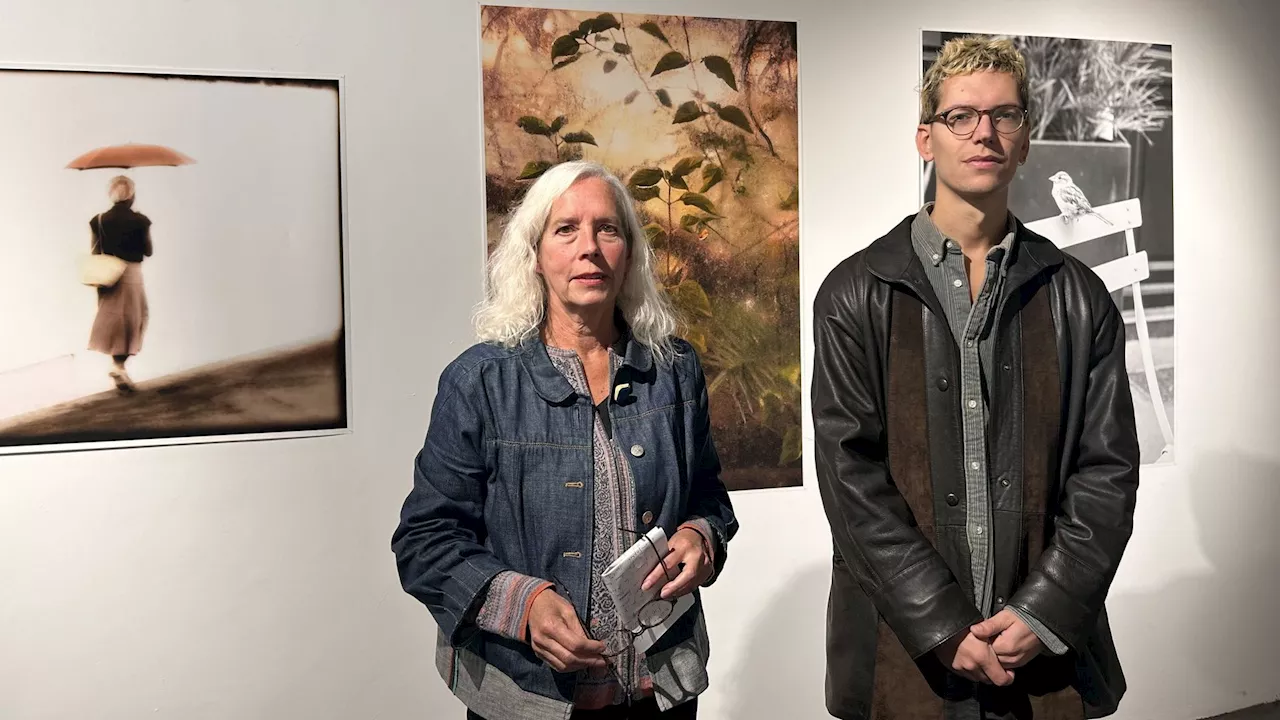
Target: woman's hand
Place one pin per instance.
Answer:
(556, 636)
(687, 555)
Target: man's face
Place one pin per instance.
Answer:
(976, 165)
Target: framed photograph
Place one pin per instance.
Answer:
(1102, 129)
(174, 258)
(699, 117)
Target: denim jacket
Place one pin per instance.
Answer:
(504, 481)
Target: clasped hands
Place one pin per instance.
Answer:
(556, 635)
(989, 651)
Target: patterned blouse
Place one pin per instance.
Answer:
(506, 606)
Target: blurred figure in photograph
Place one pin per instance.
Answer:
(121, 319)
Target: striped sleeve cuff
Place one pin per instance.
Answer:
(702, 526)
(505, 610)
(1051, 642)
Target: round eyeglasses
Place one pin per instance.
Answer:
(652, 613)
(963, 121)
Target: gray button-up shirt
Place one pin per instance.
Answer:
(972, 320)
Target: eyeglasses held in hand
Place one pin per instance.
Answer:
(652, 614)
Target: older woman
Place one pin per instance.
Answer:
(121, 320)
(576, 424)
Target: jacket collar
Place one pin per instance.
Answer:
(553, 387)
(1033, 253)
(893, 259)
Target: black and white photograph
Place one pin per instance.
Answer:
(174, 258)
(1098, 182)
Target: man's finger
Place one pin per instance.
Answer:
(995, 672)
(1014, 640)
(1004, 644)
(991, 627)
(1009, 662)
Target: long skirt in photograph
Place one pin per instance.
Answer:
(122, 315)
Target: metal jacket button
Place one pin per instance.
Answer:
(942, 383)
(952, 500)
(637, 451)
(647, 517)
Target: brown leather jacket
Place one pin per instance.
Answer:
(1064, 462)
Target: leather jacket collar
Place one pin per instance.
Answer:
(893, 260)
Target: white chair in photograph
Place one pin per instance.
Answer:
(1131, 269)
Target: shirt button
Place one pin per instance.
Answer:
(968, 343)
(942, 383)
(637, 450)
(936, 256)
(952, 500)
(973, 403)
(647, 517)
(957, 282)
(977, 530)
(974, 465)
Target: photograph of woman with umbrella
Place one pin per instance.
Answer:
(207, 302)
(124, 234)
(121, 320)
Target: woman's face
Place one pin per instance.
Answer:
(583, 255)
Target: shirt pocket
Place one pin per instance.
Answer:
(538, 511)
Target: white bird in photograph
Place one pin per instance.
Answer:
(1071, 200)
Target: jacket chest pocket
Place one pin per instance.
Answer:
(542, 492)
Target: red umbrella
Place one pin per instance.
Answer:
(130, 155)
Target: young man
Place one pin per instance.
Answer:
(975, 440)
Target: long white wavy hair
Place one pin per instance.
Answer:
(515, 303)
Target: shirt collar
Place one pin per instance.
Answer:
(932, 244)
(552, 385)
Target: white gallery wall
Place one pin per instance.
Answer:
(255, 581)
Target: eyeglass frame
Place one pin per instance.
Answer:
(644, 626)
(609, 657)
(942, 116)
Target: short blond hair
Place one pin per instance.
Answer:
(120, 189)
(968, 55)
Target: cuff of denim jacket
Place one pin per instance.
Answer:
(711, 541)
(1051, 642)
(507, 603)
